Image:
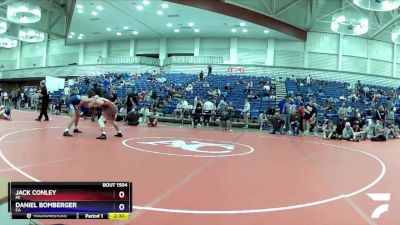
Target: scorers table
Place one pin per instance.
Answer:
(70, 200)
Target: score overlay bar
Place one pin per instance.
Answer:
(70, 200)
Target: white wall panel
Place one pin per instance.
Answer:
(297, 46)
(323, 43)
(382, 68)
(60, 55)
(380, 50)
(215, 47)
(119, 48)
(322, 61)
(147, 46)
(252, 51)
(354, 46)
(92, 52)
(288, 58)
(180, 45)
(354, 64)
(8, 58)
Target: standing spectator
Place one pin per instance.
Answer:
(380, 114)
(131, 101)
(342, 112)
(226, 116)
(201, 75)
(44, 96)
(67, 93)
(246, 113)
(14, 98)
(198, 110)
(209, 69)
(308, 79)
(114, 98)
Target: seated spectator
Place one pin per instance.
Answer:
(189, 88)
(262, 119)
(132, 118)
(294, 123)
(381, 133)
(153, 117)
(209, 111)
(328, 130)
(348, 133)
(277, 123)
(340, 125)
(144, 114)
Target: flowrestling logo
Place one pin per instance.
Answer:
(190, 147)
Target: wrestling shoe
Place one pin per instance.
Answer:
(67, 134)
(118, 135)
(102, 137)
(77, 131)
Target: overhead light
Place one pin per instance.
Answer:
(190, 24)
(3, 27)
(23, 12)
(81, 35)
(196, 30)
(160, 13)
(396, 34)
(169, 24)
(244, 30)
(164, 5)
(30, 35)
(100, 8)
(135, 32)
(70, 36)
(139, 7)
(378, 5)
(8, 42)
(266, 31)
(80, 11)
(94, 13)
(146, 2)
(176, 30)
(79, 38)
(233, 30)
(72, 33)
(79, 6)
(119, 33)
(126, 27)
(109, 29)
(349, 22)
(242, 24)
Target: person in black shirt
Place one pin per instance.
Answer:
(114, 97)
(44, 96)
(197, 113)
(131, 101)
(133, 118)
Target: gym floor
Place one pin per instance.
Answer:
(198, 176)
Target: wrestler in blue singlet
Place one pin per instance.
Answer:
(73, 102)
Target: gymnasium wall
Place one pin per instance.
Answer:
(321, 51)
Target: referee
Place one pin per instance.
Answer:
(44, 96)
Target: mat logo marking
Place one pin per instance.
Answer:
(379, 197)
(194, 146)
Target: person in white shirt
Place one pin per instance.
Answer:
(67, 92)
(308, 79)
(209, 110)
(246, 113)
(144, 114)
(189, 88)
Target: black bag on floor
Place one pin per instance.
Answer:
(378, 138)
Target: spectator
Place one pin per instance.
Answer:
(277, 123)
(209, 69)
(262, 119)
(348, 133)
(294, 122)
(246, 113)
(226, 116)
(132, 118)
(208, 111)
(342, 112)
(198, 111)
(328, 130)
(131, 101)
(144, 114)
